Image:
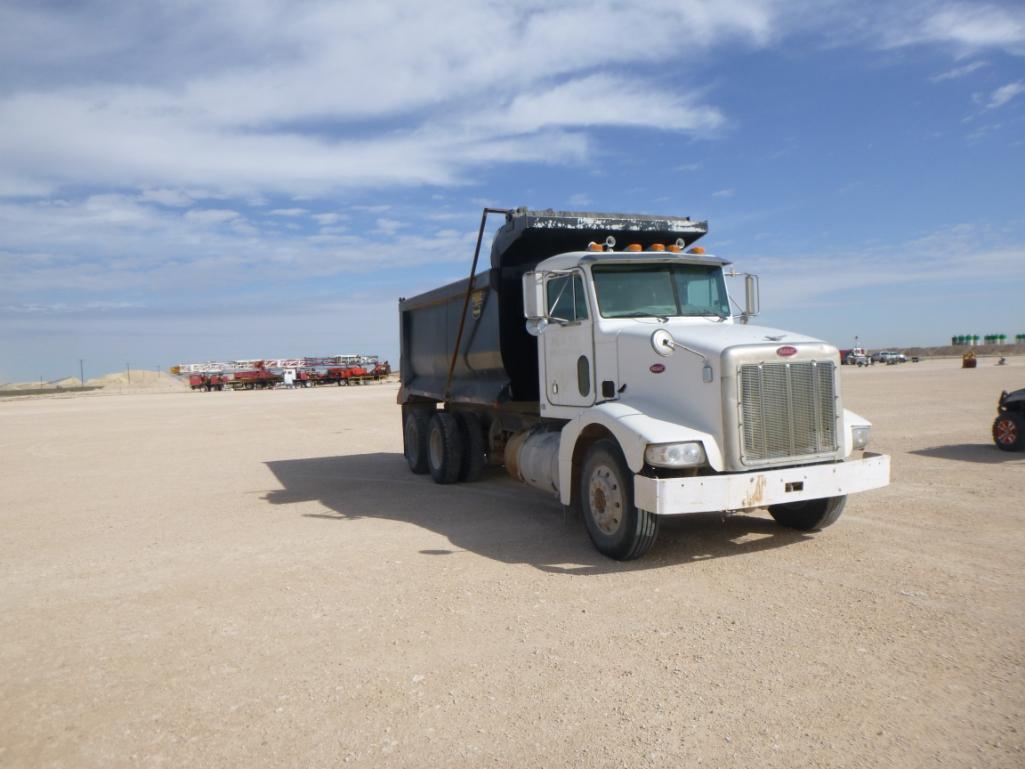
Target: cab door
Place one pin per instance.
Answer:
(569, 342)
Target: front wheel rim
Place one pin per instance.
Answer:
(605, 495)
(1007, 432)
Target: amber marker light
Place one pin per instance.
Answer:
(592, 246)
(697, 250)
(675, 249)
(656, 247)
(634, 247)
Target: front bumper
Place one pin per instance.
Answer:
(740, 491)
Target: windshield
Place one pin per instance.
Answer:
(639, 290)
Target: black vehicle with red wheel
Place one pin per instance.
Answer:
(1009, 426)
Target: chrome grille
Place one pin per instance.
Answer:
(787, 410)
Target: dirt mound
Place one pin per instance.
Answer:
(138, 380)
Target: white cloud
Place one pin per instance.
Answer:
(587, 102)
(959, 72)
(166, 197)
(1004, 94)
(328, 218)
(58, 308)
(107, 246)
(975, 26)
(86, 97)
(729, 192)
(388, 226)
(290, 212)
(962, 253)
(212, 215)
(965, 28)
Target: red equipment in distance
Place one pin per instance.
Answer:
(268, 372)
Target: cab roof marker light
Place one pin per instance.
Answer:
(592, 246)
(634, 247)
(656, 247)
(697, 250)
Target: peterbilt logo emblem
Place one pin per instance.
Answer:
(656, 368)
(786, 351)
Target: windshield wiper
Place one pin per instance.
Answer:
(709, 314)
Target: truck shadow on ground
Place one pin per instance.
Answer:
(500, 518)
(984, 453)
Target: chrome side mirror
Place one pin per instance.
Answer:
(752, 298)
(533, 295)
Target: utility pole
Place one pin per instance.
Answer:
(128, 366)
(81, 371)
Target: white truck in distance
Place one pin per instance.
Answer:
(600, 359)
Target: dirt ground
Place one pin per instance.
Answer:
(254, 579)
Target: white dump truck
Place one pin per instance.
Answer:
(602, 359)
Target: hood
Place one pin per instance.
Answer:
(698, 386)
(710, 338)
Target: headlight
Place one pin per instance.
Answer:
(690, 454)
(860, 435)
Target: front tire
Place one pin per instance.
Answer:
(810, 514)
(444, 448)
(616, 527)
(1009, 431)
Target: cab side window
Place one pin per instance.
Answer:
(566, 299)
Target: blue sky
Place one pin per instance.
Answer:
(185, 181)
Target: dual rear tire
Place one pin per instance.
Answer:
(415, 424)
(445, 448)
(448, 445)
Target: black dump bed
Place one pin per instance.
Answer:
(497, 360)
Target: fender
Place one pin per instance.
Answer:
(634, 426)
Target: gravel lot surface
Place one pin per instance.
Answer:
(254, 579)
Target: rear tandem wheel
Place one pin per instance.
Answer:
(415, 425)
(445, 448)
